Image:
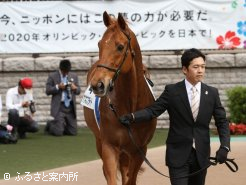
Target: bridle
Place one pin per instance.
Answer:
(117, 70)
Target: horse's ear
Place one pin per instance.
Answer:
(106, 19)
(121, 21)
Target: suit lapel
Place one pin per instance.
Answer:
(203, 100)
(184, 97)
(58, 77)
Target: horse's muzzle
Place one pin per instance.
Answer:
(99, 89)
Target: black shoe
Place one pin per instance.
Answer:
(47, 128)
(22, 135)
(12, 138)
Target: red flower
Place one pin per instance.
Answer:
(230, 41)
(237, 128)
(232, 127)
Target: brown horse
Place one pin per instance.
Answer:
(118, 79)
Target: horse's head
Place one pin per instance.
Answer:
(115, 55)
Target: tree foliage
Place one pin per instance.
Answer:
(237, 104)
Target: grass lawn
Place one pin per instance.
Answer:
(41, 152)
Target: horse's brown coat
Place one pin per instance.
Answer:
(130, 93)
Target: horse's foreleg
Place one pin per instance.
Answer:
(99, 146)
(135, 164)
(110, 157)
(124, 167)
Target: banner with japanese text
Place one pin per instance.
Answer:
(77, 26)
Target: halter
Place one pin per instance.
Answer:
(117, 70)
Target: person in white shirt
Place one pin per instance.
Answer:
(19, 102)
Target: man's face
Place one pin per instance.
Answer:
(21, 90)
(196, 70)
(64, 73)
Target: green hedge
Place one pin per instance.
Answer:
(237, 104)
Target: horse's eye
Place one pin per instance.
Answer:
(120, 47)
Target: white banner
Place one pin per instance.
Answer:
(77, 26)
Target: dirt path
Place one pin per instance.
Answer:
(90, 173)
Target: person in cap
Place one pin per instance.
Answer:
(63, 85)
(19, 104)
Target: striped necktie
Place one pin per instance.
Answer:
(194, 102)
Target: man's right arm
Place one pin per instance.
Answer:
(148, 113)
(9, 102)
(51, 87)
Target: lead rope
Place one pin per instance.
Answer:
(212, 160)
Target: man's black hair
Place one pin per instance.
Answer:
(65, 65)
(19, 83)
(189, 55)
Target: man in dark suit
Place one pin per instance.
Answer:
(190, 105)
(63, 86)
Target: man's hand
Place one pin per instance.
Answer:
(62, 86)
(73, 87)
(127, 119)
(221, 155)
(25, 104)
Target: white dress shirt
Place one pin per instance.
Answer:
(14, 100)
(189, 86)
(57, 85)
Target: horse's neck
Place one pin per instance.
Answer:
(144, 96)
(127, 85)
(130, 88)
(138, 66)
